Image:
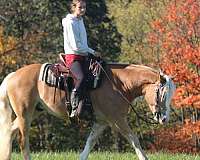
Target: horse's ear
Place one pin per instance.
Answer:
(162, 77)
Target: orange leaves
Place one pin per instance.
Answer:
(177, 37)
(179, 43)
(157, 24)
(11, 43)
(1, 40)
(179, 95)
(192, 56)
(180, 91)
(172, 16)
(6, 43)
(174, 139)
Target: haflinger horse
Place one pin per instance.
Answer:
(22, 91)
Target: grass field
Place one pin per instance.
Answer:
(106, 156)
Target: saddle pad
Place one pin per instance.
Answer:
(47, 75)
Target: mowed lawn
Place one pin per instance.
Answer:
(106, 156)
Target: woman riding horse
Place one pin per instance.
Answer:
(76, 49)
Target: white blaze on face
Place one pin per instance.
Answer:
(169, 91)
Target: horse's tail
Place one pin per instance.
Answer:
(5, 121)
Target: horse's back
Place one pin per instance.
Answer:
(29, 68)
(28, 72)
(23, 84)
(25, 76)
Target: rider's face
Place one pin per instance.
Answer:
(80, 9)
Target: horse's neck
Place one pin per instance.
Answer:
(132, 79)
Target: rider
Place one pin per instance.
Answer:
(76, 48)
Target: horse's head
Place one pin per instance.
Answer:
(158, 96)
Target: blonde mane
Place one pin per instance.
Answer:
(142, 67)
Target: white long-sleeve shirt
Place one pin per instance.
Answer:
(75, 36)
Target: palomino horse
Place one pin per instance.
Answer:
(22, 91)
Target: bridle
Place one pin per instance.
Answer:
(157, 114)
(161, 91)
(126, 99)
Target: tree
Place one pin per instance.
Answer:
(133, 19)
(7, 44)
(177, 35)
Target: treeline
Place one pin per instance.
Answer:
(140, 31)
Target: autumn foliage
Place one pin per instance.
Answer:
(177, 139)
(12, 50)
(6, 43)
(177, 36)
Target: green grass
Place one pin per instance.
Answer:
(106, 156)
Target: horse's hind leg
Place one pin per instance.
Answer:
(22, 122)
(24, 126)
(5, 132)
(5, 124)
(97, 129)
(124, 129)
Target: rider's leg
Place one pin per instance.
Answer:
(77, 71)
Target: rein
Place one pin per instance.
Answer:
(124, 97)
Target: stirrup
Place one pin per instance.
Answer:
(73, 113)
(74, 99)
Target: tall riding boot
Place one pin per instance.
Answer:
(74, 102)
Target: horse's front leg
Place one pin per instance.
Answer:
(97, 129)
(136, 144)
(125, 130)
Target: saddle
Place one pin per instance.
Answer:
(64, 81)
(60, 69)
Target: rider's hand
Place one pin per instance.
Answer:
(97, 54)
